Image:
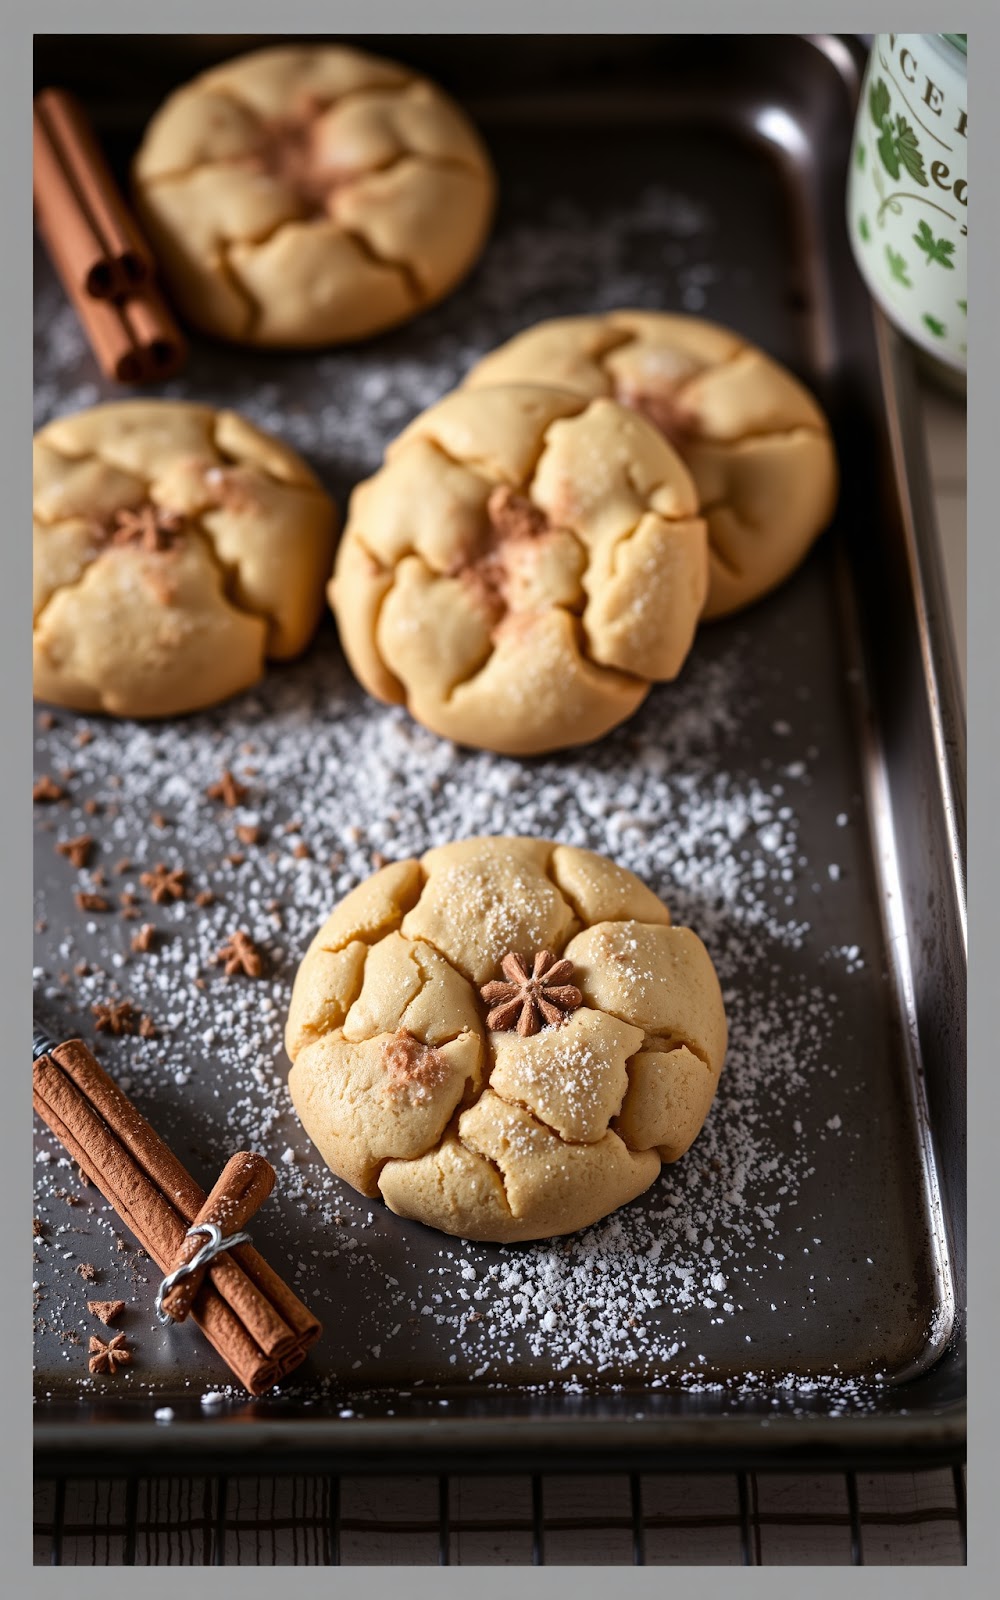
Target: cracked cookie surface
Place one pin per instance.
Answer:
(522, 568)
(490, 1134)
(175, 549)
(756, 442)
(311, 195)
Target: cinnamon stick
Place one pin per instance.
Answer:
(103, 262)
(255, 1321)
(243, 1185)
(80, 196)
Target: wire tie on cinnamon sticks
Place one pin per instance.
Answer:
(213, 1246)
(256, 1322)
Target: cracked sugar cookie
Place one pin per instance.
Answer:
(522, 568)
(310, 195)
(176, 549)
(757, 444)
(504, 1039)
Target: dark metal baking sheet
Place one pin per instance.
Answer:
(704, 175)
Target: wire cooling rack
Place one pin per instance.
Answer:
(647, 1519)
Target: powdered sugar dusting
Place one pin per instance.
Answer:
(619, 1297)
(696, 795)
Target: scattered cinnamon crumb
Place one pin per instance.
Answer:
(235, 858)
(84, 737)
(70, 1336)
(199, 983)
(164, 883)
(144, 939)
(379, 860)
(108, 1357)
(336, 860)
(121, 1245)
(87, 1271)
(92, 807)
(106, 1311)
(204, 897)
(147, 1027)
(41, 925)
(82, 1176)
(301, 851)
(91, 902)
(99, 876)
(240, 954)
(248, 833)
(294, 826)
(46, 790)
(228, 790)
(130, 914)
(122, 866)
(413, 1069)
(82, 969)
(77, 851)
(38, 1228)
(126, 898)
(46, 720)
(159, 820)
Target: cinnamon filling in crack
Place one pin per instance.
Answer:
(289, 153)
(663, 409)
(147, 526)
(229, 491)
(413, 1070)
(500, 578)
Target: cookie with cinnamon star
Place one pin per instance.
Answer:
(504, 1039)
(754, 439)
(177, 549)
(522, 569)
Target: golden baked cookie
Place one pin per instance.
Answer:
(522, 568)
(310, 195)
(504, 1039)
(757, 444)
(176, 548)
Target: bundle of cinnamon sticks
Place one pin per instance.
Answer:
(259, 1326)
(105, 265)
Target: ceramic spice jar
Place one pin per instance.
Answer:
(908, 193)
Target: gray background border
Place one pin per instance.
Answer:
(982, 21)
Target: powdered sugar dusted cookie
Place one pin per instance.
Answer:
(522, 568)
(504, 1038)
(757, 444)
(310, 194)
(176, 549)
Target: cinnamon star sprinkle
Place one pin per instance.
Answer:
(77, 851)
(114, 1016)
(227, 790)
(528, 999)
(46, 790)
(164, 883)
(240, 954)
(108, 1357)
